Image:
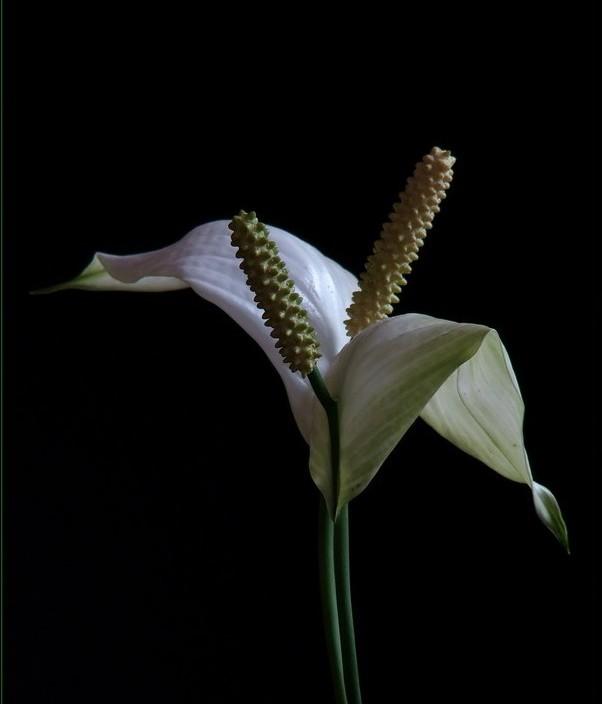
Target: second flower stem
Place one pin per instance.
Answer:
(343, 584)
(330, 612)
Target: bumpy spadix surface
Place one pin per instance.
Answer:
(275, 293)
(400, 240)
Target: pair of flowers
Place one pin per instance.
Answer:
(456, 376)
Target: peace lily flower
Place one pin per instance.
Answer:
(456, 376)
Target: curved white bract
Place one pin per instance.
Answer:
(205, 260)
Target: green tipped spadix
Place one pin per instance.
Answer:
(400, 240)
(275, 293)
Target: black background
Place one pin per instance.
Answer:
(160, 520)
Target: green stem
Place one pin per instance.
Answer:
(330, 612)
(343, 583)
(340, 550)
(332, 413)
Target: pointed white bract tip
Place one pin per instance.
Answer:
(97, 277)
(548, 510)
(88, 278)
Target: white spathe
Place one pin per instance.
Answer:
(457, 376)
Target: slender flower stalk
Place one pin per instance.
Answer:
(343, 583)
(400, 240)
(334, 565)
(339, 568)
(330, 611)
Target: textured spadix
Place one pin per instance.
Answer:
(400, 240)
(275, 293)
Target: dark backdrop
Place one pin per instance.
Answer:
(160, 520)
